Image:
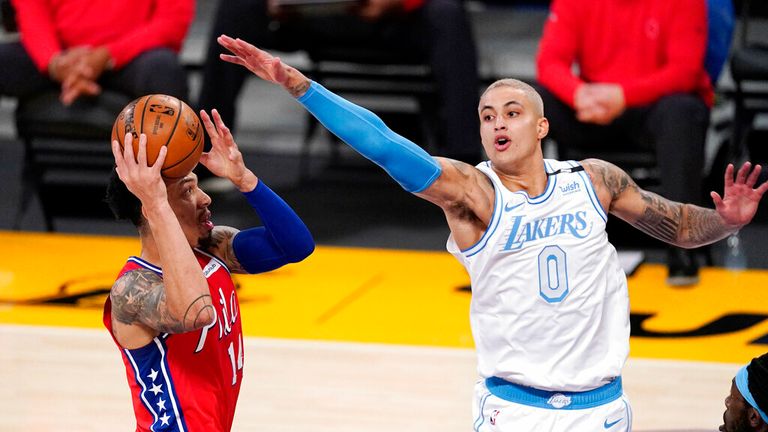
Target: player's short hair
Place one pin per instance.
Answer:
(758, 381)
(529, 91)
(122, 202)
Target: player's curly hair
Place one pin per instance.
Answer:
(122, 202)
(758, 381)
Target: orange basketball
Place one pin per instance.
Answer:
(166, 121)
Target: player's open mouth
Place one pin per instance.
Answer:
(205, 220)
(502, 143)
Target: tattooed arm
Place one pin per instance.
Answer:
(684, 225)
(181, 300)
(139, 298)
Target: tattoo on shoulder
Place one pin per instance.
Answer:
(613, 178)
(139, 297)
(221, 246)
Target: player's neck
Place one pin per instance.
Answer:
(149, 252)
(530, 178)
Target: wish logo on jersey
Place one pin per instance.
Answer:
(522, 232)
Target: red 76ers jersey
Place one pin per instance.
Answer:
(188, 381)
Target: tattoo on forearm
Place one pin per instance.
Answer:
(704, 225)
(299, 89)
(658, 225)
(139, 297)
(661, 218)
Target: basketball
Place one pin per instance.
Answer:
(166, 121)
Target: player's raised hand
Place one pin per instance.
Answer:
(141, 179)
(224, 159)
(740, 199)
(264, 65)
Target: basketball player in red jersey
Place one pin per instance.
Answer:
(173, 310)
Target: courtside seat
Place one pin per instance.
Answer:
(64, 145)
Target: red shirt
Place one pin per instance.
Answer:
(127, 27)
(188, 381)
(652, 48)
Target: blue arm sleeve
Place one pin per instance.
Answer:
(283, 239)
(365, 132)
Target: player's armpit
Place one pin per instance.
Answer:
(138, 296)
(460, 185)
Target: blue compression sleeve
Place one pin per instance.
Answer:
(365, 132)
(283, 239)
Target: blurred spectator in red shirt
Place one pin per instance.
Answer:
(640, 82)
(84, 45)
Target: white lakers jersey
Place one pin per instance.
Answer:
(550, 307)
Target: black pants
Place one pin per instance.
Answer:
(439, 33)
(674, 127)
(155, 71)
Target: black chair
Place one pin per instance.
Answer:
(749, 68)
(365, 74)
(66, 150)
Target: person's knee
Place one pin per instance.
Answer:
(682, 106)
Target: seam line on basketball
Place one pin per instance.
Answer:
(194, 149)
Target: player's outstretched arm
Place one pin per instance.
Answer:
(283, 239)
(179, 301)
(684, 225)
(361, 129)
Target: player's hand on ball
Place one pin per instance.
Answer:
(142, 179)
(224, 159)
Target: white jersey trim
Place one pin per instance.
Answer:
(591, 192)
(146, 265)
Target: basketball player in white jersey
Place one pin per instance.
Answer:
(550, 307)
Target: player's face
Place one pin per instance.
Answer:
(735, 417)
(511, 128)
(190, 205)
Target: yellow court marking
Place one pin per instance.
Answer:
(374, 295)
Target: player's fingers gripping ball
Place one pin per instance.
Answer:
(166, 121)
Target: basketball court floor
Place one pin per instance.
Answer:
(351, 339)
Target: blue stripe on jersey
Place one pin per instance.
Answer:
(150, 367)
(629, 415)
(481, 416)
(498, 209)
(145, 264)
(591, 192)
(137, 374)
(538, 199)
(551, 182)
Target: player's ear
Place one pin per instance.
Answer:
(542, 128)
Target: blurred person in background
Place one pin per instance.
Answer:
(641, 82)
(437, 31)
(83, 46)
